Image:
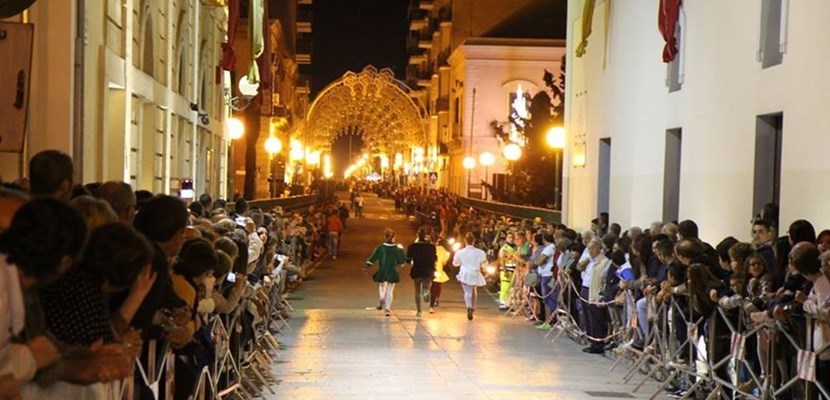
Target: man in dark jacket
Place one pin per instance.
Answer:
(422, 255)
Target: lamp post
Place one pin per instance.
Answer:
(486, 159)
(235, 131)
(512, 152)
(273, 146)
(556, 140)
(469, 163)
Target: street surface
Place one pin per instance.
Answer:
(341, 347)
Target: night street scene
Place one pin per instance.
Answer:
(414, 199)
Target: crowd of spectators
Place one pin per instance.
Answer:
(95, 277)
(662, 293)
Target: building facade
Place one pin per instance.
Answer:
(134, 91)
(134, 94)
(732, 121)
(458, 46)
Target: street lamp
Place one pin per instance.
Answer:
(235, 131)
(486, 159)
(556, 140)
(512, 152)
(235, 128)
(556, 137)
(469, 163)
(272, 147)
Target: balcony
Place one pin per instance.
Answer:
(417, 59)
(303, 27)
(426, 5)
(418, 24)
(305, 2)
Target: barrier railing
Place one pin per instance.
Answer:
(715, 355)
(287, 203)
(512, 210)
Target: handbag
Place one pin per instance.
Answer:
(532, 279)
(619, 299)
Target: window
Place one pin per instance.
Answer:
(671, 175)
(604, 176)
(147, 52)
(768, 139)
(458, 110)
(773, 35)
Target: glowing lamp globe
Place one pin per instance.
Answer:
(273, 145)
(297, 153)
(512, 152)
(487, 159)
(556, 137)
(469, 162)
(235, 128)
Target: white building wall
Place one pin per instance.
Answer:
(494, 68)
(619, 86)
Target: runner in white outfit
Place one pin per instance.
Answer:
(470, 259)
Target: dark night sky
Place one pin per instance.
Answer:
(351, 34)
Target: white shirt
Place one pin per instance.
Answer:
(470, 258)
(817, 303)
(546, 269)
(586, 274)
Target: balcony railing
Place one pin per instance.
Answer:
(426, 5)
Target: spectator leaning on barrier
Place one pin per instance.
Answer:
(163, 220)
(41, 244)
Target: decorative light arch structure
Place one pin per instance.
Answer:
(371, 103)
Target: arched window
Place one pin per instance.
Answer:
(148, 55)
(203, 78)
(182, 77)
(181, 54)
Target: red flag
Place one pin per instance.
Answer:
(667, 23)
(228, 56)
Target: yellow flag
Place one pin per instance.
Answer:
(587, 19)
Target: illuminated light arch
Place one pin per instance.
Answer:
(371, 103)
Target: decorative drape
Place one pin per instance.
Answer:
(228, 56)
(255, 15)
(667, 23)
(587, 20)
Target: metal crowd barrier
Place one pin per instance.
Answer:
(235, 373)
(666, 359)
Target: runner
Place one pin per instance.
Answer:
(422, 254)
(470, 259)
(390, 257)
